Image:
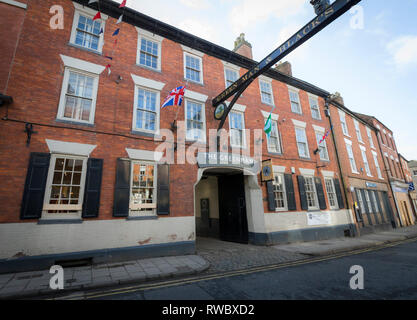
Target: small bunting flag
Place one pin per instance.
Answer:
(109, 57)
(97, 16)
(123, 4)
(116, 32)
(108, 69)
(92, 1)
(101, 31)
(120, 19)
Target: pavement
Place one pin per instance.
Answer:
(214, 256)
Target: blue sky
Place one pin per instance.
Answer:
(373, 66)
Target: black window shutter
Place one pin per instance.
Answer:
(360, 215)
(35, 185)
(163, 208)
(339, 195)
(320, 194)
(302, 190)
(122, 189)
(271, 195)
(91, 203)
(289, 188)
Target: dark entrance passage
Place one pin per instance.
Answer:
(232, 209)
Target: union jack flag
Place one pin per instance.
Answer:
(175, 97)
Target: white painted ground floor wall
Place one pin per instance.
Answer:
(289, 221)
(32, 239)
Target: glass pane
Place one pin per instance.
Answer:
(57, 178)
(76, 179)
(55, 192)
(67, 178)
(59, 164)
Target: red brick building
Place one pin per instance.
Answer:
(365, 178)
(396, 174)
(92, 166)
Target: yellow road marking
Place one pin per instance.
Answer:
(171, 283)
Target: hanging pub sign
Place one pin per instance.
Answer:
(267, 171)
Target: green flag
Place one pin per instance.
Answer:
(268, 126)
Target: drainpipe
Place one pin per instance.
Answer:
(389, 182)
(327, 101)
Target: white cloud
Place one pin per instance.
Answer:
(403, 50)
(249, 12)
(195, 4)
(198, 28)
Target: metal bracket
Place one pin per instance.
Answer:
(29, 131)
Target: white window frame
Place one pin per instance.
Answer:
(148, 85)
(353, 166)
(366, 162)
(316, 100)
(368, 201)
(358, 130)
(274, 119)
(378, 167)
(242, 112)
(321, 131)
(343, 123)
(371, 140)
(284, 190)
(62, 207)
(373, 199)
(90, 13)
(144, 34)
(297, 92)
(134, 210)
(331, 180)
(268, 82)
(317, 207)
(197, 55)
(232, 68)
(203, 111)
(301, 126)
(84, 68)
(361, 201)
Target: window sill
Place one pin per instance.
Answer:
(148, 68)
(59, 221)
(85, 49)
(133, 218)
(146, 134)
(75, 122)
(275, 153)
(194, 82)
(299, 113)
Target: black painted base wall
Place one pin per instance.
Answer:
(302, 235)
(98, 256)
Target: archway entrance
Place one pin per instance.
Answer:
(220, 204)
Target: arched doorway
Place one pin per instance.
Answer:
(228, 204)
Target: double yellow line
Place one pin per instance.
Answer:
(172, 283)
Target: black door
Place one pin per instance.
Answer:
(232, 209)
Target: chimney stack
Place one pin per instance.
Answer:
(243, 47)
(337, 97)
(284, 67)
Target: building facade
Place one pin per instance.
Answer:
(93, 168)
(392, 164)
(366, 182)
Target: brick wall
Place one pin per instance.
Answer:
(36, 82)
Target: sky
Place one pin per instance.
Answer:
(369, 55)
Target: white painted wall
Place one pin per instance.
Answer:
(32, 239)
(285, 221)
